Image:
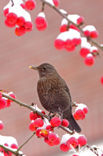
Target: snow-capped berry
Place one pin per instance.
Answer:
(2, 103)
(80, 20)
(11, 94)
(65, 123)
(55, 121)
(101, 80)
(19, 31)
(63, 28)
(40, 21)
(1, 125)
(20, 21)
(30, 4)
(64, 147)
(52, 137)
(79, 114)
(82, 140)
(14, 146)
(89, 60)
(69, 45)
(72, 141)
(56, 2)
(76, 18)
(94, 50)
(11, 19)
(32, 126)
(85, 110)
(38, 122)
(84, 52)
(33, 115)
(6, 11)
(59, 44)
(90, 31)
(49, 127)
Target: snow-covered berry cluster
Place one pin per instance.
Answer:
(4, 102)
(80, 111)
(69, 142)
(45, 129)
(9, 142)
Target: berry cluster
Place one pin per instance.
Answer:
(9, 142)
(74, 141)
(18, 17)
(80, 111)
(4, 102)
(45, 129)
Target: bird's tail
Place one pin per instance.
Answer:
(73, 125)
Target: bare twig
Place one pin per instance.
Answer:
(12, 2)
(78, 26)
(92, 149)
(25, 142)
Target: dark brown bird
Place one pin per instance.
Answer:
(54, 94)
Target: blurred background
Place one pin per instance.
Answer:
(17, 53)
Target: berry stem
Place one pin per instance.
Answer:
(93, 149)
(78, 26)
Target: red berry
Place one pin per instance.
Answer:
(38, 133)
(2, 103)
(64, 147)
(38, 122)
(89, 60)
(63, 28)
(19, 31)
(28, 26)
(6, 11)
(80, 20)
(65, 123)
(11, 94)
(72, 141)
(74, 27)
(55, 121)
(30, 4)
(14, 146)
(11, 19)
(79, 114)
(82, 140)
(33, 115)
(44, 132)
(84, 52)
(59, 44)
(52, 137)
(87, 33)
(69, 45)
(49, 127)
(40, 22)
(94, 34)
(102, 80)
(85, 110)
(20, 21)
(56, 2)
(1, 125)
(32, 126)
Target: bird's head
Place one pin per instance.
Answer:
(44, 69)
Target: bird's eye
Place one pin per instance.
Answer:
(43, 69)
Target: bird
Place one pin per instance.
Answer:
(54, 94)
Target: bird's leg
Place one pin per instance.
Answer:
(51, 115)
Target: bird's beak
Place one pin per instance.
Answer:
(33, 67)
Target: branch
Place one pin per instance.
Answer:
(12, 2)
(34, 110)
(93, 149)
(78, 26)
(12, 151)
